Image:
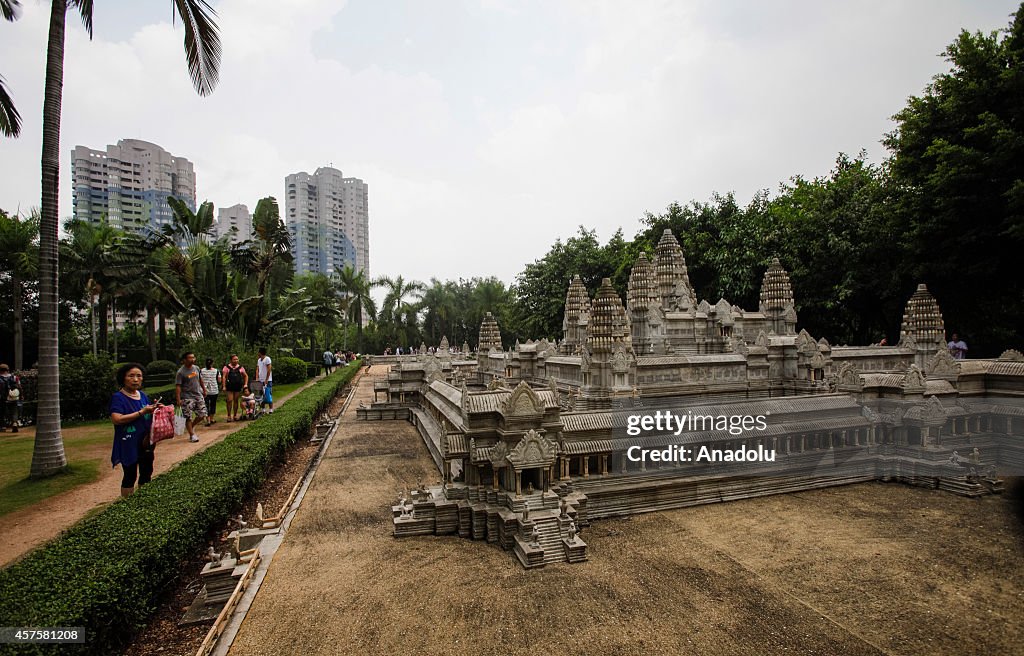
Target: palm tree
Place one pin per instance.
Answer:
(189, 228)
(268, 257)
(322, 306)
(356, 289)
(399, 305)
(10, 119)
(19, 254)
(202, 52)
(94, 259)
(439, 302)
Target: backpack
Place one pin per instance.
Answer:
(10, 383)
(234, 379)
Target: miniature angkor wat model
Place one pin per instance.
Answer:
(545, 423)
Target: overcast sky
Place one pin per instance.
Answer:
(487, 128)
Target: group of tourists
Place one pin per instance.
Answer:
(10, 399)
(334, 359)
(195, 393)
(430, 350)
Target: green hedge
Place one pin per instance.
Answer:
(106, 573)
(161, 368)
(289, 370)
(86, 384)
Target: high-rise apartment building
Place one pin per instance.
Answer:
(327, 216)
(129, 183)
(234, 221)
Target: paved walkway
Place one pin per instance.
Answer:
(23, 530)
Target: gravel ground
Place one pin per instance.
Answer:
(162, 636)
(865, 569)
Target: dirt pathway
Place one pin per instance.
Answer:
(29, 527)
(867, 569)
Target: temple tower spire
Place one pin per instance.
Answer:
(644, 305)
(576, 317)
(672, 277)
(777, 299)
(923, 329)
(608, 363)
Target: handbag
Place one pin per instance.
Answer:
(163, 424)
(179, 422)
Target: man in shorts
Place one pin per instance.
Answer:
(265, 378)
(190, 393)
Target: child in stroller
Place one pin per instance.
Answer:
(248, 403)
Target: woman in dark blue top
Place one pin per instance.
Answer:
(132, 413)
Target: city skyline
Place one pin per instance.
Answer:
(527, 118)
(327, 216)
(128, 184)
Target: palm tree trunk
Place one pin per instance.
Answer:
(48, 452)
(151, 333)
(113, 317)
(163, 335)
(104, 325)
(92, 322)
(18, 326)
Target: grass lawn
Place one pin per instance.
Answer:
(87, 445)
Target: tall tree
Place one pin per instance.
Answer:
(356, 288)
(10, 119)
(202, 52)
(266, 257)
(399, 308)
(94, 258)
(19, 255)
(958, 154)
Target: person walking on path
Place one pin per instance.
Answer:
(265, 378)
(235, 379)
(131, 412)
(211, 383)
(10, 399)
(328, 358)
(190, 393)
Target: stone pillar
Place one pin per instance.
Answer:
(604, 464)
(494, 478)
(586, 466)
(519, 483)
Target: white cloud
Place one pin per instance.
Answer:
(504, 125)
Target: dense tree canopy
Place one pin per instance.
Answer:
(958, 161)
(946, 209)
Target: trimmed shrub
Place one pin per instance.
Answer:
(161, 368)
(106, 573)
(86, 384)
(289, 370)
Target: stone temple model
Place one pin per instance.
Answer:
(531, 445)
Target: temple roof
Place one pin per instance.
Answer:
(492, 400)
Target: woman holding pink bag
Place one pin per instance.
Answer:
(131, 413)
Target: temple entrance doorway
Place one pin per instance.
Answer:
(532, 477)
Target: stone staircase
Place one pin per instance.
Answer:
(552, 545)
(480, 513)
(551, 539)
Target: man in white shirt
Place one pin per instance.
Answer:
(265, 377)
